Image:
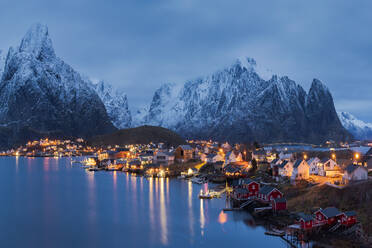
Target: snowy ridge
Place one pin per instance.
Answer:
(360, 129)
(237, 104)
(116, 104)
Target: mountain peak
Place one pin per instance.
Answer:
(37, 42)
(317, 84)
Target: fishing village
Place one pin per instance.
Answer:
(299, 193)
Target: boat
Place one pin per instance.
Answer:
(197, 180)
(95, 169)
(205, 195)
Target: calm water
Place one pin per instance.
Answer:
(51, 203)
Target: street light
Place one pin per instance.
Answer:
(356, 156)
(333, 156)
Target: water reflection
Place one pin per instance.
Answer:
(202, 217)
(222, 217)
(163, 214)
(190, 210)
(17, 163)
(151, 204)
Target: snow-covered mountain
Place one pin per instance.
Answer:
(42, 95)
(116, 103)
(237, 104)
(360, 129)
(2, 63)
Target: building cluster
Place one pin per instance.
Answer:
(51, 148)
(326, 169)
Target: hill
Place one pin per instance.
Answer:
(139, 135)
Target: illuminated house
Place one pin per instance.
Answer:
(165, 158)
(355, 172)
(183, 153)
(300, 170)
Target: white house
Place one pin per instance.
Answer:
(355, 172)
(285, 168)
(213, 158)
(313, 165)
(164, 158)
(233, 156)
(327, 167)
(300, 169)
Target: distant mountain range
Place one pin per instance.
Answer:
(41, 95)
(359, 129)
(236, 104)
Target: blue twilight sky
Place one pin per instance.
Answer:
(138, 45)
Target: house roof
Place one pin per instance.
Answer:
(305, 217)
(351, 168)
(247, 181)
(281, 165)
(297, 163)
(310, 160)
(350, 213)
(330, 212)
(275, 161)
(186, 147)
(266, 189)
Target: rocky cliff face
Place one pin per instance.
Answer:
(2, 63)
(42, 95)
(360, 129)
(116, 103)
(236, 104)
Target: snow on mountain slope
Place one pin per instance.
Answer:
(116, 104)
(237, 104)
(360, 129)
(2, 63)
(42, 95)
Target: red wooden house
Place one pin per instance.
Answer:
(268, 193)
(252, 186)
(279, 204)
(350, 218)
(328, 216)
(306, 221)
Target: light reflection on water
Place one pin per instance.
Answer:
(112, 209)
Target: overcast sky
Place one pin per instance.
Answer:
(138, 45)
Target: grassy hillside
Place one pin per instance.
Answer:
(139, 135)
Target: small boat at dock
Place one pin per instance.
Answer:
(205, 195)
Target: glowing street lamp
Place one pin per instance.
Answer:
(333, 156)
(305, 156)
(356, 155)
